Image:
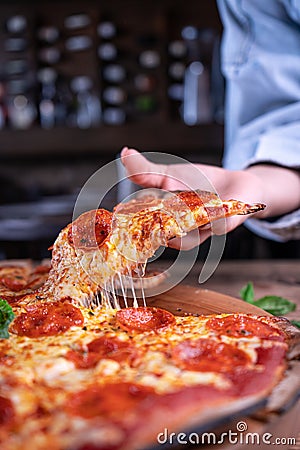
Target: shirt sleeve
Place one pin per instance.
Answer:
(281, 230)
(262, 111)
(280, 145)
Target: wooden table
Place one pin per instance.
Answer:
(274, 277)
(269, 277)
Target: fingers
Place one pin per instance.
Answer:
(192, 239)
(171, 176)
(142, 171)
(197, 237)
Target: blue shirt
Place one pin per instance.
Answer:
(261, 63)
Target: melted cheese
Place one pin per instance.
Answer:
(42, 377)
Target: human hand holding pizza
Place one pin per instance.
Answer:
(277, 187)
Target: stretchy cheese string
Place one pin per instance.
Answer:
(123, 289)
(117, 287)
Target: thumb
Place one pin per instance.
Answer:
(142, 171)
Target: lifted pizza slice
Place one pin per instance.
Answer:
(91, 253)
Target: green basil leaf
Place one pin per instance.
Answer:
(6, 317)
(247, 293)
(278, 306)
(296, 323)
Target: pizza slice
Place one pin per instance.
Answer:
(91, 254)
(21, 277)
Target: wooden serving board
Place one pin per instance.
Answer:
(184, 299)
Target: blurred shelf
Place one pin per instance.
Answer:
(145, 110)
(177, 138)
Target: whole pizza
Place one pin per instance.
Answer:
(78, 372)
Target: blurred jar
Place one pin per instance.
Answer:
(21, 112)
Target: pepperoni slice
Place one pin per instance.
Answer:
(6, 411)
(13, 282)
(244, 326)
(144, 319)
(90, 229)
(147, 202)
(110, 400)
(47, 319)
(103, 347)
(184, 199)
(42, 269)
(207, 355)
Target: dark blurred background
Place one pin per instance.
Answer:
(81, 79)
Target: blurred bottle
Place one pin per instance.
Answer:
(114, 73)
(217, 84)
(149, 59)
(49, 55)
(77, 21)
(78, 43)
(197, 108)
(107, 51)
(48, 34)
(3, 112)
(196, 95)
(47, 78)
(177, 49)
(107, 30)
(114, 116)
(16, 24)
(22, 112)
(88, 109)
(114, 95)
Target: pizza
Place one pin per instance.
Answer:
(76, 378)
(81, 373)
(93, 254)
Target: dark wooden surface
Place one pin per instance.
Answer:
(269, 277)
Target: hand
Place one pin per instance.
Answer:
(186, 176)
(255, 184)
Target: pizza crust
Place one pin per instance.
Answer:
(293, 336)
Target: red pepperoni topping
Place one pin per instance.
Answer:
(244, 326)
(47, 319)
(6, 411)
(144, 319)
(13, 282)
(90, 229)
(207, 355)
(183, 200)
(111, 400)
(101, 348)
(42, 269)
(137, 204)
